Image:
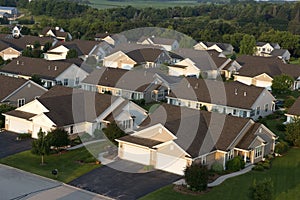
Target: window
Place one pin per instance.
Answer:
(258, 151)
(252, 113)
(71, 129)
(126, 124)
(198, 105)
(21, 102)
(258, 110)
(77, 81)
(234, 111)
(266, 107)
(189, 104)
(66, 81)
(203, 160)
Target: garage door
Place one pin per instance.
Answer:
(136, 154)
(19, 125)
(171, 164)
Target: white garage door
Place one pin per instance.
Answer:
(136, 154)
(19, 125)
(170, 164)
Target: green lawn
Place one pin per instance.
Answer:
(103, 4)
(68, 164)
(284, 173)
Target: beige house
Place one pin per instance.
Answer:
(167, 43)
(231, 98)
(17, 92)
(58, 33)
(224, 48)
(185, 136)
(77, 111)
(260, 71)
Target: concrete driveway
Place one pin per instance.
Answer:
(109, 181)
(9, 145)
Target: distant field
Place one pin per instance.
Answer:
(102, 4)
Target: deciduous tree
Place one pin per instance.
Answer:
(41, 146)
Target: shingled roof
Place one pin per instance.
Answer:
(232, 94)
(197, 132)
(295, 108)
(9, 84)
(30, 66)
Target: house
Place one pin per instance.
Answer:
(224, 48)
(272, 49)
(100, 51)
(146, 57)
(11, 47)
(58, 33)
(231, 98)
(60, 50)
(9, 12)
(147, 85)
(113, 40)
(101, 36)
(260, 71)
(172, 138)
(17, 92)
(74, 110)
(190, 62)
(265, 48)
(67, 73)
(167, 43)
(293, 112)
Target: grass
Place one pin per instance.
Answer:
(68, 164)
(104, 4)
(284, 174)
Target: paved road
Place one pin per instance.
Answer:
(19, 185)
(9, 145)
(123, 185)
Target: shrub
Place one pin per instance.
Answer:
(90, 159)
(258, 167)
(24, 136)
(196, 176)
(266, 165)
(281, 147)
(281, 127)
(262, 190)
(217, 167)
(235, 164)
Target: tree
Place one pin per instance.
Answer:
(58, 138)
(72, 53)
(3, 109)
(293, 132)
(113, 132)
(196, 176)
(41, 146)
(247, 44)
(37, 79)
(282, 84)
(262, 190)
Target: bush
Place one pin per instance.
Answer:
(281, 127)
(196, 177)
(235, 164)
(281, 147)
(217, 167)
(90, 160)
(24, 136)
(258, 167)
(266, 165)
(262, 190)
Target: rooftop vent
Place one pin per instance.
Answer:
(245, 94)
(235, 91)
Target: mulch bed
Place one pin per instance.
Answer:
(184, 190)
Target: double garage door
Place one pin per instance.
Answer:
(163, 162)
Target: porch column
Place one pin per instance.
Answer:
(252, 156)
(245, 156)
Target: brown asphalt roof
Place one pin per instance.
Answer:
(68, 106)
(20, 114)
(121, 78)
(145, 55)
(9, 84)
(140, 141)
(249, 137)
(30, 66)
(198, 132)
(83, 47)
(273, 66)
(21, 43)
(232, 94)
(295, 108)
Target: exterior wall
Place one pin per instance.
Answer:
(127, 94)
(188, 71)
(29, 92)
(59, 53)
(17, 125)
(71, 74)
(265, 103)
(9, 53)
(243, 79)
(118, 60)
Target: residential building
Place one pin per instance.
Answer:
(58, 33)
(17, 92)
(167, 43)
(67, 73)
(231, 98)
(267, 49)
(260, 71)
(172, 138)
(293, 112)
(74, 110)
(224, 48)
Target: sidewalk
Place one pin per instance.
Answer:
(85, 143)
(221, 179)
